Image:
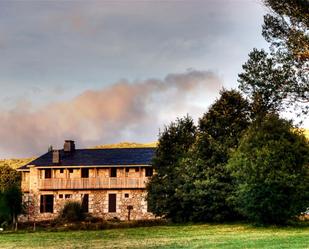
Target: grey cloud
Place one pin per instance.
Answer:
(122, 111)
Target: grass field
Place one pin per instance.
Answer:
(181, 236)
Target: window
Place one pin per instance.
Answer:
(71, 170)
(85, 203)
(47, 173)
(148, 172)
(61, 171)
(85, 173)
(127, 170)
(136, 169)
(67, 196)
(47, 204)
(113, 172)
(126, 195)
(61, 196)
(112, 203)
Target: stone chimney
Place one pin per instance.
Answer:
(69, 146)
(56, 156)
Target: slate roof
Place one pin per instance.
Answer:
(89, 157)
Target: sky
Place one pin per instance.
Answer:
(104, 72)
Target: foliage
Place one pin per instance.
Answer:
(286, 28)
(208, 184)
(270, 167)
(4, 210)
(174, 143)
(10, 204)
(265, 82)
(8, 177)
(10, 194)
(280, 79)
(71, 212)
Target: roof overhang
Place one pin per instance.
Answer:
(25, 169)
(93, 166)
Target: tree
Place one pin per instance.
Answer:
(13, 201)
(8, 177)
(286, 28)
(265, 82)
(10, 194)
(277, 80)
(174, 144)
(4, 210)
(270, 167)
(208, 185)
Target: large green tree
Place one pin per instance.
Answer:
(10, 194)
(271, 169)
(174, 144)
(11, 204)
(279, 79)
(208, 185)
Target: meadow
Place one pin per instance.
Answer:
(169, 236)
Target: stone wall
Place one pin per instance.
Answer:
(98, 204)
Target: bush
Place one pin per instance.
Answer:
(71, 212)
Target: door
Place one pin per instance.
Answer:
(85, 203)
(47, 204)
(112, 203)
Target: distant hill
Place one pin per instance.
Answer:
(306, 132)
(126, 145)
(15, 163)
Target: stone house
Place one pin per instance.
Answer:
(109, 183)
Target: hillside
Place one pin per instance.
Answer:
(126, 145)
(15, 163)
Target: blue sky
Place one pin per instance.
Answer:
(108, 71)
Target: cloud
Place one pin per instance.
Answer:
(122, 111)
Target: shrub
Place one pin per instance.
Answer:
(71, 212)
(270, 168)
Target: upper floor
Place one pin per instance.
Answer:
(85, 178)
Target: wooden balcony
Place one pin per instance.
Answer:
(92, 183)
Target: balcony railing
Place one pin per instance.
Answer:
(92, 183)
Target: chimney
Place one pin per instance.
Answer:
(69, 146)
(56, 156)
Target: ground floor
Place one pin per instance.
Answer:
(121, 204)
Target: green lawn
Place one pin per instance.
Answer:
(181, 236)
